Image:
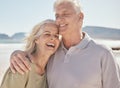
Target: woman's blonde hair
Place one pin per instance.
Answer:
(30, 46)
(75, 3)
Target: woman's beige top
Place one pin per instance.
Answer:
(28, 80)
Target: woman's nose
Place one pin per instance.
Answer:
(52, 37)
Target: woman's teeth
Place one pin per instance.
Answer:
(50, 45)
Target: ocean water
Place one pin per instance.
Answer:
(7, 49)
(110, 43)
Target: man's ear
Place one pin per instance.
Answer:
(81, 16)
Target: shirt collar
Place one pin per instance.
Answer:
(83, 43)
(63, 47)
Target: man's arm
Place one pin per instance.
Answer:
(19, 62)
(110, 71)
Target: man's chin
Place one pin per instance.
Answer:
(62, 29)
(63, 33)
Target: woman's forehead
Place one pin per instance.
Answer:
(50, 28)
(49, 25)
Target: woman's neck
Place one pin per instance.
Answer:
(40, 61)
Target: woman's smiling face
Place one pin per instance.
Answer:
(49, 39)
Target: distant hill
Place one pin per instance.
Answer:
(94, 31)
(4, 36)
(19, 36)
(16, 38)
(102, 32)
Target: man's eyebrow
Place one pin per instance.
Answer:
(64, 11)
(47, 31)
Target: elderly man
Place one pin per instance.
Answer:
(79, 62)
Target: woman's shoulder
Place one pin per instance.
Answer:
(13, 80)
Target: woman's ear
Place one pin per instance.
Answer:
(36, 40)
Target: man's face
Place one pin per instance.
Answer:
(67, 18)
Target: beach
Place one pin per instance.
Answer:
(5, 52)
(7, 49)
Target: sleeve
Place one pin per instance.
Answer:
(110, 71)
(11, 80)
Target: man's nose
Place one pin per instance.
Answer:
(59, 19)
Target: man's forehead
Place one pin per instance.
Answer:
(64, 8)
(64, 5)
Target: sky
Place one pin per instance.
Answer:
(22, 15)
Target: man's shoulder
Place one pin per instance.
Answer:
(99, 46)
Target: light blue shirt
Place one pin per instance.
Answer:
(86, 65)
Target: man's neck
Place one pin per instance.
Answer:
(72, 40)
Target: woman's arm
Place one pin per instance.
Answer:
(12, 80)
(30, 79)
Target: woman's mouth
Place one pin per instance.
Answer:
(50, 45)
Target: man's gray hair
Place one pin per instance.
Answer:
(75, 3)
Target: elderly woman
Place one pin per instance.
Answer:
(41, 44)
